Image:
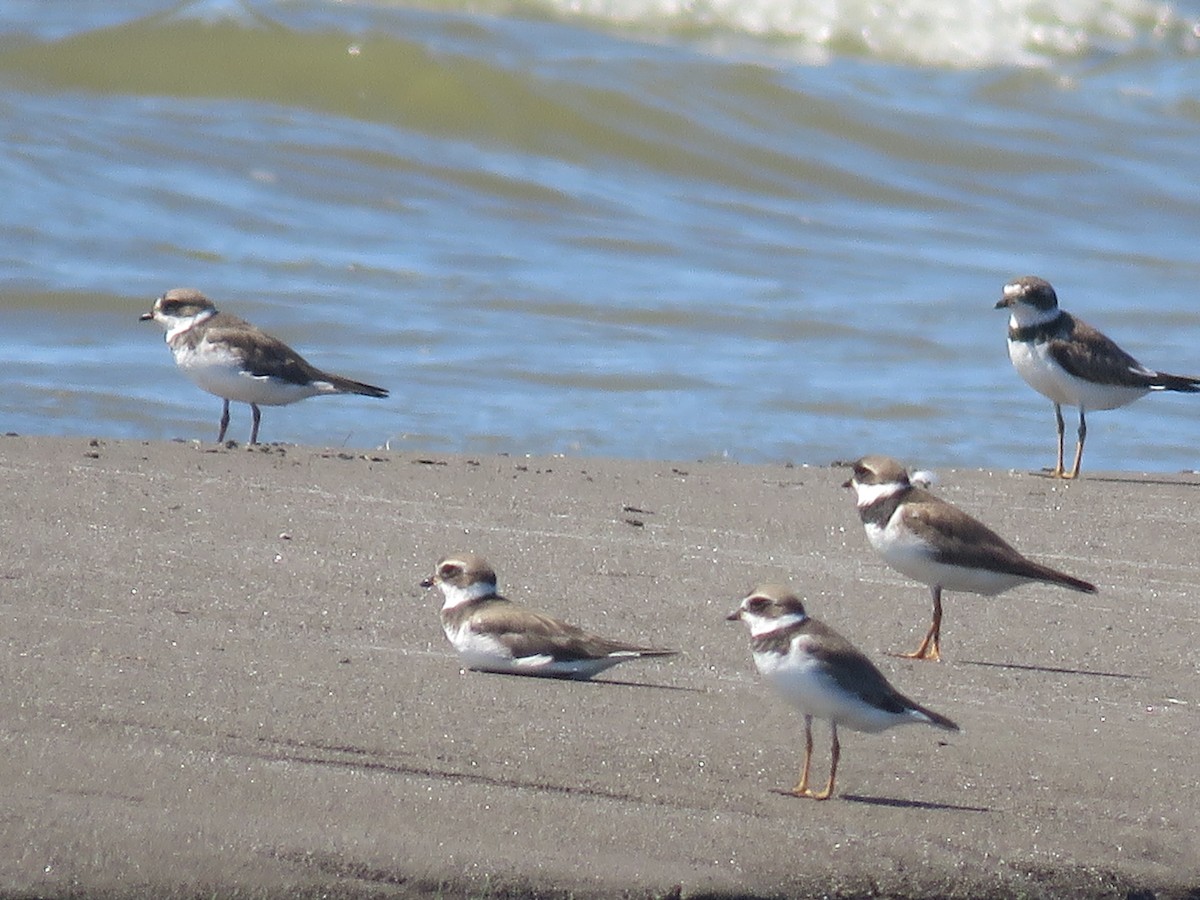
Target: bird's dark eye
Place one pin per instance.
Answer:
(757, 604)
(449, 571)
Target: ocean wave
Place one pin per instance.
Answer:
(940, 33)
(955, 34)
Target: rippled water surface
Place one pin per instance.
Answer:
(631, 228)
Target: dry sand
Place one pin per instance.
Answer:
(221, 678)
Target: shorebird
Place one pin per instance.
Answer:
(823, 675)
(233, 359)
(935, 542)
(1072, 363)
(493, 634)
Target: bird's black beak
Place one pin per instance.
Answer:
(146, 317)
(427, 582)
(734, 616)
(848, 483)
(1003, 303)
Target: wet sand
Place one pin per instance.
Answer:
(221, 678)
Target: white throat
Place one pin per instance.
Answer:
(177, 325)
(870, 494)
(1022, 315)
(456, 596)
(760, 625)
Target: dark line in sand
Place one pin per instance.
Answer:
(913, 804)
(374, 765)
(568, 679)
(646, 684)
(1057, 670)
(283, 749)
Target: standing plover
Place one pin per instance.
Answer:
(935, 542)
(1072, 363)
(823, 675)
(233, 359)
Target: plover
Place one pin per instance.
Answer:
(823, 675)
(493, 634)
(233, 359)
(935, 542)
(1072, 363)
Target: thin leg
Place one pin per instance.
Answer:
(833, 763)
(931, 646)
(1079, 446)
(801, 788)
(254, 428)
(1058, 418)
(224, 423)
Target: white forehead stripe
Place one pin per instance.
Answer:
(1012, 289)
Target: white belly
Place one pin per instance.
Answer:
(1034, 363)
(800, 680)
(220, 373)
(910, 556)
(487, 654)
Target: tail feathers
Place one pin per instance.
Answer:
(935, 719)
(342, 385)
(1185, 384)
(1053, 576)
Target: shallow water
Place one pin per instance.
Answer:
(769, 231)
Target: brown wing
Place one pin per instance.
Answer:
(964, 540)
(529, 633)
(960, 537)
(262, 354)
(852, 671)
(1086, 353)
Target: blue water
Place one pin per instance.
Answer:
(750, 231)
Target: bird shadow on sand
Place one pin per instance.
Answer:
(1180, 481)
(912, 804)
(614, 682)
(640, 684)
(1055, 670)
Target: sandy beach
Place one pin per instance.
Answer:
(220, 677)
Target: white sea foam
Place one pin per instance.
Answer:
(958, 33)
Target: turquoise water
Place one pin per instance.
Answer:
(769, 231)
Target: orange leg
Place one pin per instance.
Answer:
(931, 645)
(801, 788)
(833, 764)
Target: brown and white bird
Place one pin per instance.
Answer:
(233, 359)
(823, 675)
(493, 634)
(932, 541)
(1072, 363)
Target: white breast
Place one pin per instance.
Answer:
(1041, 372)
